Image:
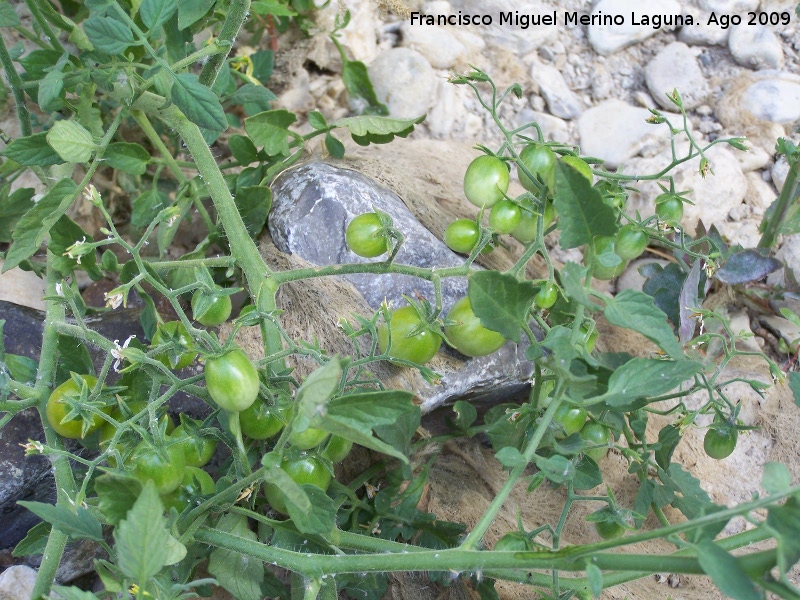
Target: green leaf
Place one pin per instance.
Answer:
(35, 541)
(243, 149)
(510, 457)
(595, 578)
(80, 524)
(272, 7)
(108, 35)
(319, 518)
(142, 537)
(270, 129)
(51, 91)
(64, 234)
(8, 16)
(198, 103)
(32, 151)
(647, 377)
(146, 207)
(74, 357)
(690, 498)
(501, 301)
(725, 572)
(253, 98)
(240, 575)
(116, 496)
(130, 158)
(572, 278)
(263, 64)
(359, 87)
(334, 147)
(556, 468)
(71, 141)
(635, 310)
(668, 439)
(12, 207)
(582, 214)
(155, 13)
(369, 129)
(746, 266)
(191, 11)
(317, 120)
(794, 385)
(21, 368)
(34, 225)
(72, 593)
(784, 523)
(253, 204)
(314, 394)
(777, 478)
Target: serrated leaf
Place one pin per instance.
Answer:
(12, 207)
(155, 13)
(107, 34)
(725, 572)
(647, 377)
(253, 204)
(688, 303)
(51, 89)
(668, 439)
(191, 11)
(510, 457)
(794, 386)
(74, 357)
(198, 103)
(747, 266)
(34, 225)
(142, 537)
(35, 541)
(690, 498)
(253, 98)
(130, 158)
(784, 523)
(635, 310)
(8, 16)
(240, 575)
(270, 129)
(243, 149)
(71, 141)
(116, 496)
(665, 285)
(572, 278)
(369, 129)
(32, 151)
(501, 302)
(21, 368)
(582, 214)
(79, 524)
(556, 468)
(315, 393)
(358, 85)
(319, 519)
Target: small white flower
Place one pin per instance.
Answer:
(114, 298)
(116, 352)
(60, 289)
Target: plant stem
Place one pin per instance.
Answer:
(210, 50)
(782, 205)
(14, 80)
(42, 22)
(237, 13)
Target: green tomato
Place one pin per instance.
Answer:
(504, 217)
(486, 181)
(598, 437)
(720, 440)
(232, 380)
(540, 160)
(570, 419)
(58, 408)
(513, 541)
(546, 296)
(337, 449)
(610, 530)
(195, 482)
(588, 336)
(606, 263)
(366, 236)
(579, 165)
(469, 336)
(197, 451)
(630, 242)
(462, 235)
(260, 421)
(217, 312)
(165, 466)
(669, 208)
(418, 348)
(306, 470)
(180, 354)
(308, 438)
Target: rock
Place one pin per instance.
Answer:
(508, 35)
(728, 7)
(553, 128)
(755, 47)
(675, 67)
(607, 39)
(774, 97)
(754, 159)
(760, 194)
(779, 172)
(789, 253)
(360, 36)
(16, 583)
(616, 131)
(440, 47)
(404, 81)
(632, 278)
(22, 287)
(561, 100)
(740, 325)
(702, 34)
(454, 114)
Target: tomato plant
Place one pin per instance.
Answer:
(260, 421)
(606, 263)
(215, 311)
(569, 419)
(180, 353)
(308, 438)
(630, 242)
(467, 334)
(462, 235)
(337, 449)
(486, 181)
(67, 420)
(411, 339)
(504, 217)
(513, 541)
(580, 165)
(669, 208)
(598, 438)
(366, 236)
(232, 380)
(546, 296)
(197, 450)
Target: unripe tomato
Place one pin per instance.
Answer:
(180, 355)
(337, 449)
(485, 181)
(720, 440)
(470, 337)
(308, 438)
(260, 421)
(58, 408)
(610, 530)
(232, 380)
(216, 314)
(197, 451)
(305, 470)
(630, 242)
(513, 541)
(504, 217)
(602, 250)
(669, 208)
(164, 466)
(579, 165)
(546, 296)
(570, 419)
(596, 435)
(588, 336)
(462, 235)
(541, 162)
(418, 348)
(366, 236)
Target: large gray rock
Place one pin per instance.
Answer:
(774, 97)
(675, 67)
(561, 100)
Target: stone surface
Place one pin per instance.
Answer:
(607, 39)
(404, 81)
(702, 34)
(779, 172)
(760, 194)
(440, 47)
(616, 131)
(675, 67)
(509, 36)
(727, 7)
(561, 100)
(22, 287)
(755, 47)
(16, 583)
(775, 97)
